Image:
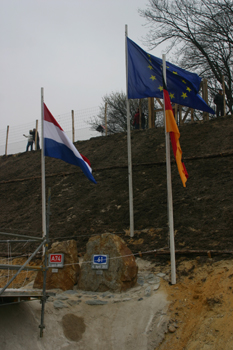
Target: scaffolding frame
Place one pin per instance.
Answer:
(26, 295)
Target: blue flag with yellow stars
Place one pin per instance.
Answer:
(145, 79)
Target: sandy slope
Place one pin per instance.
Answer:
(201, 305)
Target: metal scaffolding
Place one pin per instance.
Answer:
(16, 295)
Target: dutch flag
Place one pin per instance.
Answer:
(57, 145)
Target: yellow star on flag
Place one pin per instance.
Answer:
(188, 88)
(150, 67)
(172, 96)
(160, 88)
(175, 73)
(183, 81)
(153, 77)
(184, 95)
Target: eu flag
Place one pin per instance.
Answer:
(145, 79)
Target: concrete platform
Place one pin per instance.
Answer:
(17, 295)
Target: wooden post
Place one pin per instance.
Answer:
(36, 134)
(180, 115)
(73, 131)
(151, 113)
(224, 99)
(105, 117)
(176, 109)
(205, 97)
(140, 114)
(7, 133)
(192, 112)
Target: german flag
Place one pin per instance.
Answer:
(172, 128)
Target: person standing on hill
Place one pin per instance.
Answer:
(30, 140)
(218, 100)
(37, 143)
(143, 121)
(136, 120)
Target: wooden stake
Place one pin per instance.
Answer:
(224, 99)
(180, 115)
(7, 134)
(151, 114)
(176, 109)
(140, 114)
(36, 134)
(105, 117)
(192, 112)
(205, 97)
(73, 131)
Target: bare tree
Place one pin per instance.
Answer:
(116, 112)
(201, 33)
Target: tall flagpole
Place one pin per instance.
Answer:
(43, 168)
(169, 191)
(131, 213)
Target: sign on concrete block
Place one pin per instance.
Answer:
(56, 260)
(100, 262)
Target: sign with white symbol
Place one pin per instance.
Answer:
(56, 260)
(100, 262)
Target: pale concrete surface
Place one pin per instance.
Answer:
(129, 321)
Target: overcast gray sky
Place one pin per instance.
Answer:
(74, 49)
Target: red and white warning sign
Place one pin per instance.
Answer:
(56, 260)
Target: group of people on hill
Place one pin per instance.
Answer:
(136, 120)
(32, 139)
(218, 100)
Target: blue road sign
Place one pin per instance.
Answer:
(100, 261)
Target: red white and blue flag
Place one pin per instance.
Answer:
(58, 145)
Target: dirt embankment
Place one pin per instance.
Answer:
(201, 305)
(201, 302)
(202, 210)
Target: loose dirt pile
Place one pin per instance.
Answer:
(201, 305)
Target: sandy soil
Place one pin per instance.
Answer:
(201, 305)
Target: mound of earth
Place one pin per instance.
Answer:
(200, 308)
(202, 211)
